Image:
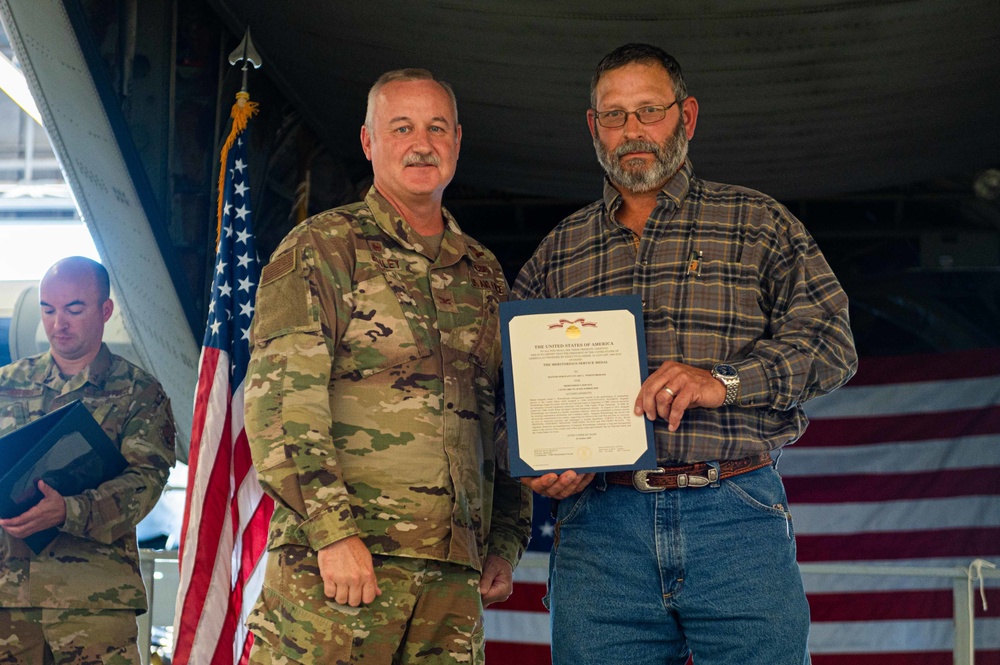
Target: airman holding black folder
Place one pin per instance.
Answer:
(76, 600)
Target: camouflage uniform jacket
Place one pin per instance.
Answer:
(371, 387)
(94, 561)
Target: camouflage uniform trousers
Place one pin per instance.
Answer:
(34, 636)
(430, 612)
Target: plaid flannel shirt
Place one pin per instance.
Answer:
(726, 274)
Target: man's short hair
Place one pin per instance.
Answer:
(408, 74)
(84, 264)
(642, 53)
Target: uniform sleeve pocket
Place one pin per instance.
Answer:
(285, 302)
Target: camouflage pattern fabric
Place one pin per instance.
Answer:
(430, 612)
(68, 637)
(371, 392)
(94, 562)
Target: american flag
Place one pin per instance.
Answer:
(900, 468)
(224, 537)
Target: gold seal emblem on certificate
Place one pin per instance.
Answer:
(572, 332)
(584, 453)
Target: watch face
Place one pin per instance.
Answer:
(725, 370)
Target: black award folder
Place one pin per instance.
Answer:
(67, 449)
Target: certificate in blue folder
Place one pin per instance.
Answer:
(67, 449)
(572, 370)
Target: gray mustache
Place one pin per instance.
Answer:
(637, 145)
(416, 158)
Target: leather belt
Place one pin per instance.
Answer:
(698, 474)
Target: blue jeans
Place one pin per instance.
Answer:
(649, 578)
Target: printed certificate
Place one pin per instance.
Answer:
(572, 370)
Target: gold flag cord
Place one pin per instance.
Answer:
(242, 111)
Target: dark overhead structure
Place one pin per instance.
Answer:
(797, 98)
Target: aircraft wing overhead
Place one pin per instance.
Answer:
(95, 156)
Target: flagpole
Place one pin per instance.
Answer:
(226, 514)
(240, 114)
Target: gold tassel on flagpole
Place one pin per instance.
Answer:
(242, 111)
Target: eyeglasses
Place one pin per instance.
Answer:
(647, 115)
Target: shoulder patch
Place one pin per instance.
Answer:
(279, 267)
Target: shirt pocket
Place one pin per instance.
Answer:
(380, 334)
(110, 409)
(12, 416)
(470, 328)
(723, 306)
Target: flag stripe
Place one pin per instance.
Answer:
(875, 606)
(909, 398)
(530, 627)
(198, 592)
(823, 607)
(516, 652)
(253, 539)
(969, 543)
(215, 542)
(895, 516)
(967, 452)
(823, 582)
(883, 658)
(527, 599)
(193, 499)
(913, 636)
(909, 427)
(950, 366)
(206, 368)
(882, 487)
(206, 437)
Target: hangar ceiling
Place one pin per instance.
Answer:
(798, 97)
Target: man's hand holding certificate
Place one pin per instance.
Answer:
(572, 370)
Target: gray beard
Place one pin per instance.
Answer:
(639, 178)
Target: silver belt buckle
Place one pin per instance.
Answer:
(640, 480)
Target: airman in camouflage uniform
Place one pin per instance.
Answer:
(369, 409)
(76, 601)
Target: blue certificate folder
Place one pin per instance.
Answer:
(67, 449)
(561, 310)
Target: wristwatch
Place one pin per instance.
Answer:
(730, 379)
